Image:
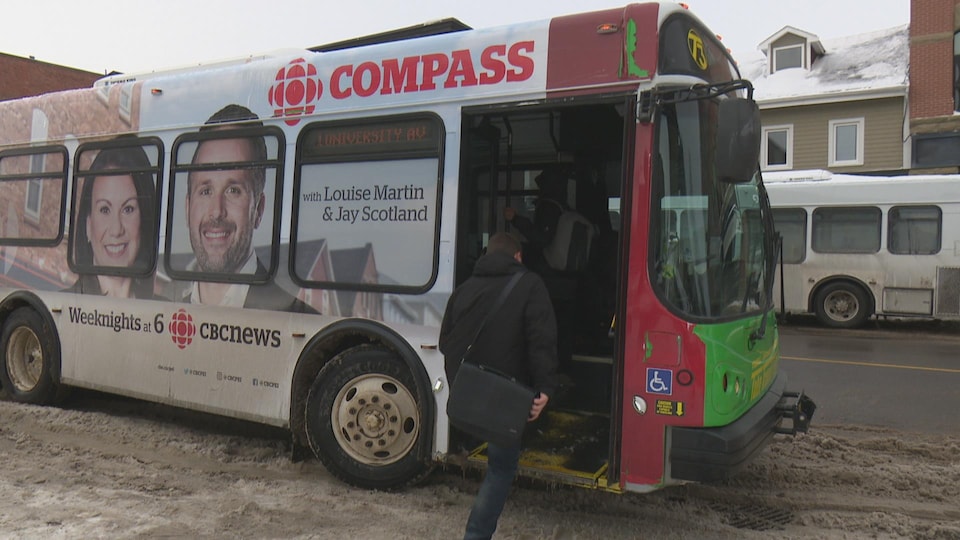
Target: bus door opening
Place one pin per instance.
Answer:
(504, 153)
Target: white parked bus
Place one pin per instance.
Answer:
(858, 246)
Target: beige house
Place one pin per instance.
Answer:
(838, 104)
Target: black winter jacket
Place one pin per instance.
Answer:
(520, 339)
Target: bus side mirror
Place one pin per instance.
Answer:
(738, 140)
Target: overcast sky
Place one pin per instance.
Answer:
(134, 36)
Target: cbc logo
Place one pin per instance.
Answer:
(182, 328)
(296, 90)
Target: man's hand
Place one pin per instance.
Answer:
(539, 403)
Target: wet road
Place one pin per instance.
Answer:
(903, 378)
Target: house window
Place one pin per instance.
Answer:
(39, 127)
(787, 57)
(34, 188)
(776, 148)
(936, 150)
(846, 142)
(126, 102)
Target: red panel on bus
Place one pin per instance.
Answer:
(643, 435)
(581, 54)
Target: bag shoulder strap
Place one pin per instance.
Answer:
(496, 307)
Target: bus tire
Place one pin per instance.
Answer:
(842, 305)
(363, 419)
(29, 355)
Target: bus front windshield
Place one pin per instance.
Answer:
(710, 240)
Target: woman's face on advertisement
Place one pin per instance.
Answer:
(113, 226)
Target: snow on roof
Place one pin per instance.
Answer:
(797, 175)
(822, 175)
(874, 62)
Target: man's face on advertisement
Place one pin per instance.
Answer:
(223, 207)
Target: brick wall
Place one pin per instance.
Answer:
(24, 77)
(932, 23)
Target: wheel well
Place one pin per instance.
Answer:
(12, 304)
(343, 335)
(849, 280)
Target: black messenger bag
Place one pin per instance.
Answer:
(489, 405)
(485, 402)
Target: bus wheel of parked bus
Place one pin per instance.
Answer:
(842, 304)
(30, 353)
(363, 419)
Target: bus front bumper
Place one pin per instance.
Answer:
(711, 454)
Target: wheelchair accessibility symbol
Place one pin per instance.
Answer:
(659, 381)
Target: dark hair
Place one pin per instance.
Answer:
(504, 244)
(232, 113)
(258, 148)
(122, 158)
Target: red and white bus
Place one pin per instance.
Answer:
(275, 239)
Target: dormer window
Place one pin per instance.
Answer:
(787, 57)
(791, 48)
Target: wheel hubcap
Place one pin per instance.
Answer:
(24, 359)
(375, 419)
(841, 306)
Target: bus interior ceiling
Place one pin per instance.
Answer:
(512, 146)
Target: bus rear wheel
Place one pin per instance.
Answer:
(29, 356)
(363, 419)
(842, 305)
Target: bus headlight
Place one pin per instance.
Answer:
(639, 405)
(725, 385)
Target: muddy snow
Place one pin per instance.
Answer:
(106, 467)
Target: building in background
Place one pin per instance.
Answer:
(23, 77)
(839, 105)
(935, 85)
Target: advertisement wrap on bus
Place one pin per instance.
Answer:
(275, 239)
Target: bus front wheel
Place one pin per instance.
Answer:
(363, 419)
(842, 305)
(29, 356)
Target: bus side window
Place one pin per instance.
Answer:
(914, 230)
(33, 208)
(846, 229)
(223, 226)
(367, 209)
(791, 223)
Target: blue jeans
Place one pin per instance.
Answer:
(501, 468)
